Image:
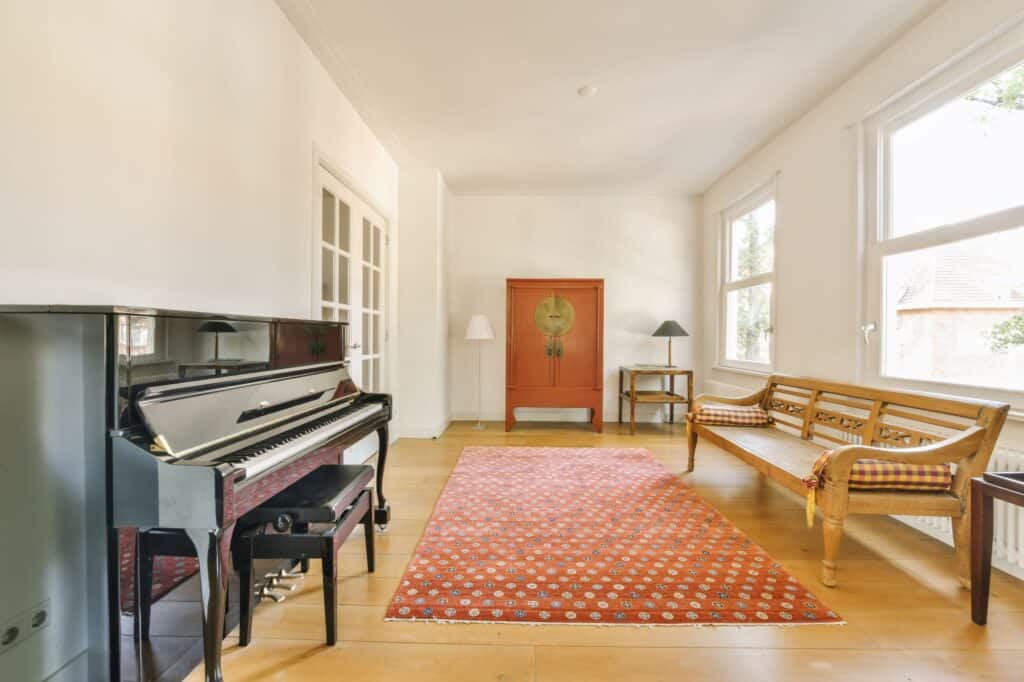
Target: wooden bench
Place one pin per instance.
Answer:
(811, 416)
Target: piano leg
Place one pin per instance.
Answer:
(382, 514)
(211, 549)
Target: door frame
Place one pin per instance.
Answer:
(322, 162)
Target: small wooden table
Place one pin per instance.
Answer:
(669, 397)
(1008, 487)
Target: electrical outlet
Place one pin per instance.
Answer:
(22, 626)
(12, 633)
(39, 616)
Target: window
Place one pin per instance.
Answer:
(748, 274)
(137, 338)
(946, 233)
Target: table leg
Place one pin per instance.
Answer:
(619, 400)
(672, 406)
(981, 551)
(632, 403)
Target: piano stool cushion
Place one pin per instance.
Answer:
(319, 497)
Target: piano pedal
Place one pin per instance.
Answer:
(285, 575)
(266, 592)
(276, 584)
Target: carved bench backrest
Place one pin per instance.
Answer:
(835, 414)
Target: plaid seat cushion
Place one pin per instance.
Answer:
(715, 414)
(876, 474)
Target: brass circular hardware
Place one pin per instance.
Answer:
(554, 316)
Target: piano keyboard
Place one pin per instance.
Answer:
(267, 454)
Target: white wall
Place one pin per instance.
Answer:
(160, 154)
(424, 408)
(818, 274)
(644, 247)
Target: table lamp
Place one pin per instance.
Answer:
(479, 330)
(670, 329)
(216, 327)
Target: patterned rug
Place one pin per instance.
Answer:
(589, 535)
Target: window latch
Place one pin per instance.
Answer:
(866, 329)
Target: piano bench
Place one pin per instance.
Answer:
(336, 495)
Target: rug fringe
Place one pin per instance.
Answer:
(739, 626)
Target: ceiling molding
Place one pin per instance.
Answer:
(302, 17)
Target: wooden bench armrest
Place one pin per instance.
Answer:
(752, 399)
(954, 449)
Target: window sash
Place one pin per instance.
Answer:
(738, 209)
(1001, 51)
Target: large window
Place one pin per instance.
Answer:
(748, 274)
(946, 244)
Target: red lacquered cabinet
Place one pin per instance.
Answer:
(554, 346)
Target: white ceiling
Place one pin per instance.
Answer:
(485, 90)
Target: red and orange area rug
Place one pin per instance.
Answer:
(589, 535)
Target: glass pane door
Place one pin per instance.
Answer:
(373, 302)
(349, 277)
(335, 256)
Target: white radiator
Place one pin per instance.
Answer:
(1008, 531)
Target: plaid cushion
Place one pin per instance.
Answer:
(876, 474)
(714, 414)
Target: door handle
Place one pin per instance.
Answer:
(866, 329)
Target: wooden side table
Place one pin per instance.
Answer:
(647, 397)
(1008, 488)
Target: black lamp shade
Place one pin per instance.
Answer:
(670, 328)
(216, 327)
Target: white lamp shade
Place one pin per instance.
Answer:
(479, 329)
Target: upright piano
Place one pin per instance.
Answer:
(206, 416)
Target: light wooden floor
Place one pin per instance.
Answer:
(907, 618)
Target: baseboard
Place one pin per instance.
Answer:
(649, 415)
(424, 431)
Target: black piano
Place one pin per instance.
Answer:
(206, 417)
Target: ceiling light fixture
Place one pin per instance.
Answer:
(586, 91)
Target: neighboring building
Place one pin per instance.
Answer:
(950, 299)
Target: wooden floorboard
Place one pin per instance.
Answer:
(907, 618)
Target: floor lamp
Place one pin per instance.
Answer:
(479, 330)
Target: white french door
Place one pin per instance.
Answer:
(349, 275)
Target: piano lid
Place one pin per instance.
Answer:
(186, 416)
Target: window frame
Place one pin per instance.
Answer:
(748, 203)
(958, 77)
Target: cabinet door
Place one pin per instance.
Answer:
(530, 365)
(579, 365)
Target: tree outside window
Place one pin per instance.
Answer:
(750, 234)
